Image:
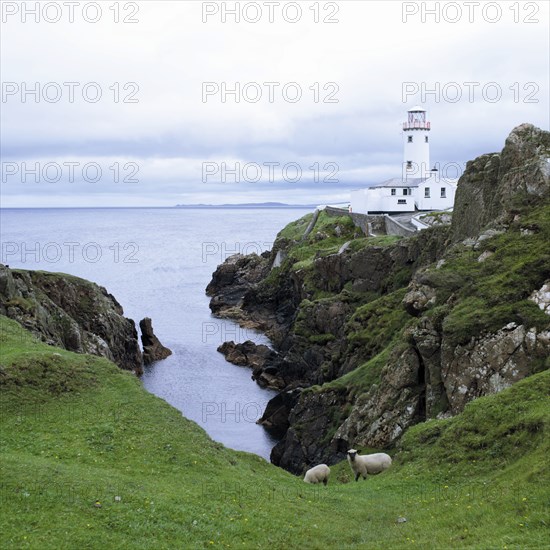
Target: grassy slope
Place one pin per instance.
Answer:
(322, 241)
(76, 430)
(492, 293)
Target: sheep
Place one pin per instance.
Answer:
(368, 464)
(318, 474)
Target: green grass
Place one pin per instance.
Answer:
(295, 230)
(324, 239)
(375, 325)
(22, 303)
(490, 294)
(91, 460)
(360, 380)
(493, 431)
(329, 234)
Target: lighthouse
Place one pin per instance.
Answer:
(418, 187)
(416, 137)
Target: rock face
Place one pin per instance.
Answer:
(373, 339)
(153, 350)
(492, 363)
(71, 313)
(277, 412)
(435, 377)
(259, 357)
(382, 414)
(492, 184)
(542, 297)
(233, 279)
(308, 420)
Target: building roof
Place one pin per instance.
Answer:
(400, 182)
(412, 182)
(417, 109)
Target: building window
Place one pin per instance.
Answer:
(409, 164)
(393, 191)
(405, 191)
(401, 201)
(443, 193)
(427, 139)
(410, 139)
(427, 193)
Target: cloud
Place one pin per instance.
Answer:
(152, 76)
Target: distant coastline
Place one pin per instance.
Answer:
(251, 206)
(248, 205)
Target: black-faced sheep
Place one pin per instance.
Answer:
(318, 474)
(368, 464)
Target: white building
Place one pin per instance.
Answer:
(419, 187)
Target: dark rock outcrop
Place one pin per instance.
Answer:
(258, 357)
(233, 279)
(381, 415)
(71, 313)
(275, 417)
(493, 184)
(153, 350)
(308, 439)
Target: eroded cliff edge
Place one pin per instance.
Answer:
(373, 335)
(74, 314)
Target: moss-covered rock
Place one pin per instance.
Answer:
(71, 313)
(495, 184)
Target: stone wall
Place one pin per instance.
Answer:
(393, 227)
(367, 223)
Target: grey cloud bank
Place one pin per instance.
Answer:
(356, 78)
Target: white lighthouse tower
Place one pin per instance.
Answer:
(419, 187)
(416, 131)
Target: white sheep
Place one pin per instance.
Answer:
(318, 474)
(368, 464)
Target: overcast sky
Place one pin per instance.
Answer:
(161, 123)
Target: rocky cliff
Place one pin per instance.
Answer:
(374, 335)
(493, 185)
(71, 313)
(153, 350)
